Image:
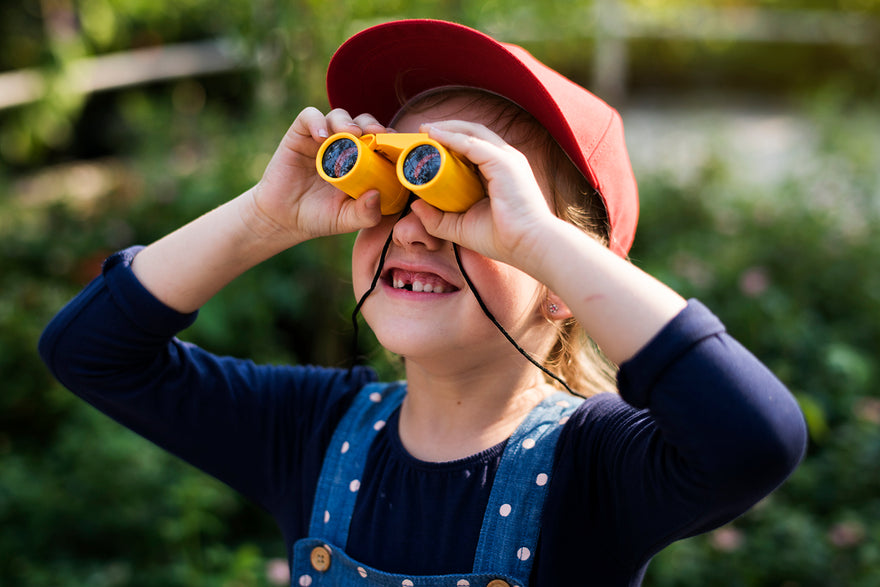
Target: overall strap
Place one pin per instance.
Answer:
(346, 458)
(512, 522)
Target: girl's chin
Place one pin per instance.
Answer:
(427, 343)
(414, 345)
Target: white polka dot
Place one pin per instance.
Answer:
(528, 443)
(542, 479)
(379, 425)
(362, 572)
(375, 397)
(345, 447)
(305, 581)
(523, 554)
(354, 485)
(463, 583)
(406, 583)
(505, 510)
(563, 421)
(326, 516)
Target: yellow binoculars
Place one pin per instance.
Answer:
(397, 164)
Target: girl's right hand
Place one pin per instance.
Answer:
(291, 202)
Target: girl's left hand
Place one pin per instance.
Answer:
(507, 226)
(620, 306)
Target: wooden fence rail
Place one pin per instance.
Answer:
(130, 68)
(610, 23)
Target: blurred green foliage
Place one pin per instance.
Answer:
(792, 271)
(791, 267)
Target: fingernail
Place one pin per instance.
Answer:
(323, 133)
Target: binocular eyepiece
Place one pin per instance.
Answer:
(397, 164)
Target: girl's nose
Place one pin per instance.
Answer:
(410, 232)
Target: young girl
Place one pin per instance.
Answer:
(477, 470)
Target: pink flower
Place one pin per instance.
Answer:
(867, 409)
(754, 282)
(846, 534)
(727, 539)
(278, 572)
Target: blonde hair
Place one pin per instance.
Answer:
(574, 358)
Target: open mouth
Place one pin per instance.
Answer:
(418, 281)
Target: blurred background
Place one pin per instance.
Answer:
(754, 131)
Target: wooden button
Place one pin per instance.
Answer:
(320, 558)
(498, 583)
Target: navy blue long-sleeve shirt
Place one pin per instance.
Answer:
(699, 432)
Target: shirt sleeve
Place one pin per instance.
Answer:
(730, 422)
(700, 432)
(251, 426)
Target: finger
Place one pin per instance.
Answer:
(369, 124)
(339, 120)
(495, 158)
(466, 129)
(478, 144)
(310, 122)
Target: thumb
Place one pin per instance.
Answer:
(363, 212)
(439, 224)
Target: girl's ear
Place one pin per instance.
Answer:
(554, 308)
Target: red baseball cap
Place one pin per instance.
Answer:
(372, 70)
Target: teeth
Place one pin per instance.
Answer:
(418, 286)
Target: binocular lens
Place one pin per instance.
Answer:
(339, 158)
(422, 164)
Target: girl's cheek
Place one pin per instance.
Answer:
(501, 286)
(358, 262)
(365, 254)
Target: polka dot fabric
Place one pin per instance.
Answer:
(341, 473)
(511, 524)
(513, 516)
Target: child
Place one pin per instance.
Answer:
(477, 470)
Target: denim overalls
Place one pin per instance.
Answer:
(511, 524)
